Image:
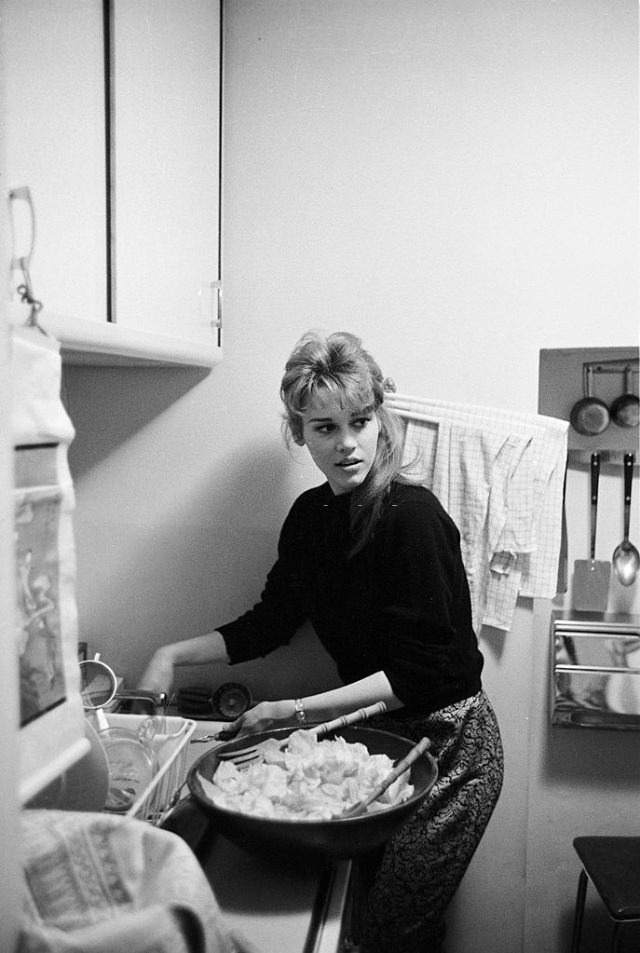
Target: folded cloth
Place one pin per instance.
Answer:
(96, 883)
(37, 413)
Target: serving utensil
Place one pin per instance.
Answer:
(360, 807)
(255, 752)
(626, 559)
(591, 576)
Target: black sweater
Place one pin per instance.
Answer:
(400, 605)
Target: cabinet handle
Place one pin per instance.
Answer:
(219, 311)
(22, 262)
(211, 295)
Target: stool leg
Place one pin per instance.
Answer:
(577, 920)
(615, 943)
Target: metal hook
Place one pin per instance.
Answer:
(26, 295)
(22, 262)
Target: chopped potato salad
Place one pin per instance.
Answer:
(308, 780)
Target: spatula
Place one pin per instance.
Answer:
(591, 577)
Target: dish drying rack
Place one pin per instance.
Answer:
(171, 747)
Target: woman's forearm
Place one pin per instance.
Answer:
(316, 708)
(348, 698)
(200, 650)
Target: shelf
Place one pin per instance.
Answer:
(104, 344)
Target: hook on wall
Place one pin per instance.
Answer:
(22, 262)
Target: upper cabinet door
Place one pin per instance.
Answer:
(166, 165)
(53, 116)
(112, 117)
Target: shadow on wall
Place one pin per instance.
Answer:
(235, 552)
(122, 401)
(162, 566)
(298, 669)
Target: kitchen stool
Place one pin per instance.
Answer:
(612, 864)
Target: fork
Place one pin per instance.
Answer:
(360, 807)
(255, 752)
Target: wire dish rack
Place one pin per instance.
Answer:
(171, 746)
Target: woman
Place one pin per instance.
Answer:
(374, 563)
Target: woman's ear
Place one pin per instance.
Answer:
(296, 429)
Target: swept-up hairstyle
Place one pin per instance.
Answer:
(338, 366)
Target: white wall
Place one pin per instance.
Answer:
(455, 181)
(10, 871)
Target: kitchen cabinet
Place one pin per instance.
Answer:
(53, 115)
(112, 117)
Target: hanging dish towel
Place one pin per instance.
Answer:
(500, 475)
(52, 732)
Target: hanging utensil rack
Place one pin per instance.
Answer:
(567, 374)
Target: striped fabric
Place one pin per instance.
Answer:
(500, 476)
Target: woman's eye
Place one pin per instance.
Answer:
(361, 422)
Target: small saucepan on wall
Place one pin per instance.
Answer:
(625, 408)
(590, 415)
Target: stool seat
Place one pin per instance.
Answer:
(612, 864)
(613, 867)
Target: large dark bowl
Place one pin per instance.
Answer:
(336, 838)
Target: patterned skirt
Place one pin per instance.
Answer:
(404, 890)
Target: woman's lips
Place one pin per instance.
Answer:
(345, 464)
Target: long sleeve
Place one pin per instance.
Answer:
(424, 629)
(400, 605)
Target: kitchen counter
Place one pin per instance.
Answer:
(279, 904)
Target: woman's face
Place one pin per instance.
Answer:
(342, 443)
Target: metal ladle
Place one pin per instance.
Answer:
(626, 559)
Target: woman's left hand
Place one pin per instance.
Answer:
(262, 717)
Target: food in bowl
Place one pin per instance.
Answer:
(309, 779)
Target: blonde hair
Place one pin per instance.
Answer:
(337, 365)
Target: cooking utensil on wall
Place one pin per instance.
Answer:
(626, 559)
(590, 415)
(624, 410)
(591, 577)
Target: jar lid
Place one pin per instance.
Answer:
(231, 700)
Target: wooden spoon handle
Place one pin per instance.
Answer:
(423, 745)
(360, 715)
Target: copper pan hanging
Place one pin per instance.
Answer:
(590, 415)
